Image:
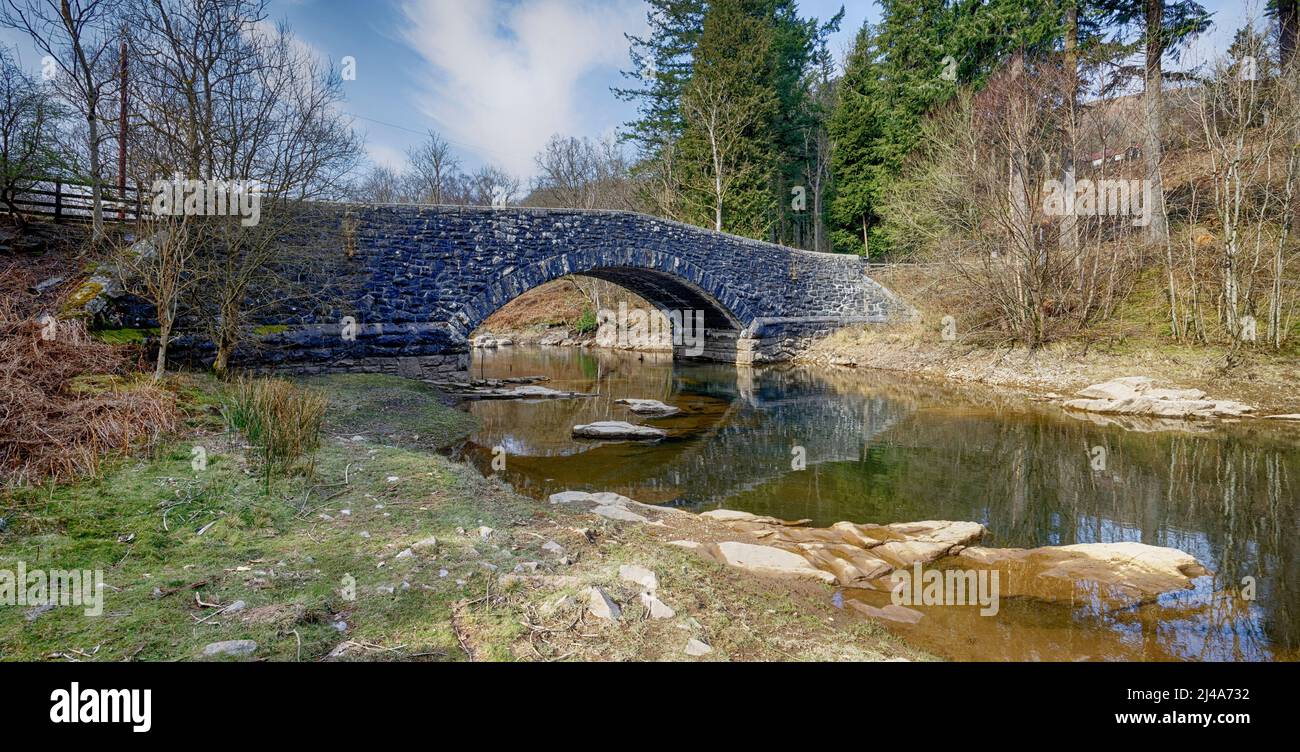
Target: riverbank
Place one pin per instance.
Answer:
(389, 552)
(1056, 372)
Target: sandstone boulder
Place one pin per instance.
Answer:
(1108, 575)
(1135, 396)
(768, 560)
(617, 430)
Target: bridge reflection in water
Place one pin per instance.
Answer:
(881, 449)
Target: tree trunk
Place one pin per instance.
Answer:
(96, 192)
(1069, 223)
(1288, 21)
(1158, 229)
(164, 335)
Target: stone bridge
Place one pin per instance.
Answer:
(425, 277)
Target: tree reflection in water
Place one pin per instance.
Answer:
(884, 449)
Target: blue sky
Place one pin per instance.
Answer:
(498, 77)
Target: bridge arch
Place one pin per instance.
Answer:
(664, 280)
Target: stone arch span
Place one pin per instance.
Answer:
(664, 280)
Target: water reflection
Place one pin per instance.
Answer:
(882, 449)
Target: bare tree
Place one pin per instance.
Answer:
(489, 186)
(75, 35)
(225, 96)
(382, 184)
(1246, 116)
(433, 169)
(29, 147)
(158, 269)
(582, 174)
(722, 119)
(987, 201)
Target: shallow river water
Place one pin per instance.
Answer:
(877, 448)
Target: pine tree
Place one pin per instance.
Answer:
(897, 72)
(661, 65)
(854, 128)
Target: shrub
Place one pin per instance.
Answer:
(281, 419)
(586, 322)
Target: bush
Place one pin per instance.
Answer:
(283, 420)
(586, 323)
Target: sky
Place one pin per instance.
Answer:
(498, 78)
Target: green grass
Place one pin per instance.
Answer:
(281, 419)
(140, 523)
(123, 336)
(291, 555)
(586, 322)
(274, 552)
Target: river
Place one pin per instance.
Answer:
(831, 444)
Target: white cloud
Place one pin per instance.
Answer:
(505, 76)
(384, 155)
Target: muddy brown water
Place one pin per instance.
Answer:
(830, 445)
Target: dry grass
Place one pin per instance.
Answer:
(56, 424)
(283, 420)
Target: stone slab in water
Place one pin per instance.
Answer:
(617, 429)
(649, 407)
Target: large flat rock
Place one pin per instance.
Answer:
(1137, 396)
(613, 506)
(649, 407)
(618, 430)
(768, 560)
(1108, 575)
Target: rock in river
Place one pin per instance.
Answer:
(1135, 396)
(649, 407)
(617, 430)
(1105, 575)
(1109, 575)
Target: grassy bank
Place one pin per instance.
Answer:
(322, 568)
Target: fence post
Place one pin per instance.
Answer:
(58, 200)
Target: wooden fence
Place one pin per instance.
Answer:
(67, 200)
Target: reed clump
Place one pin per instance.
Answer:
(280, 419)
